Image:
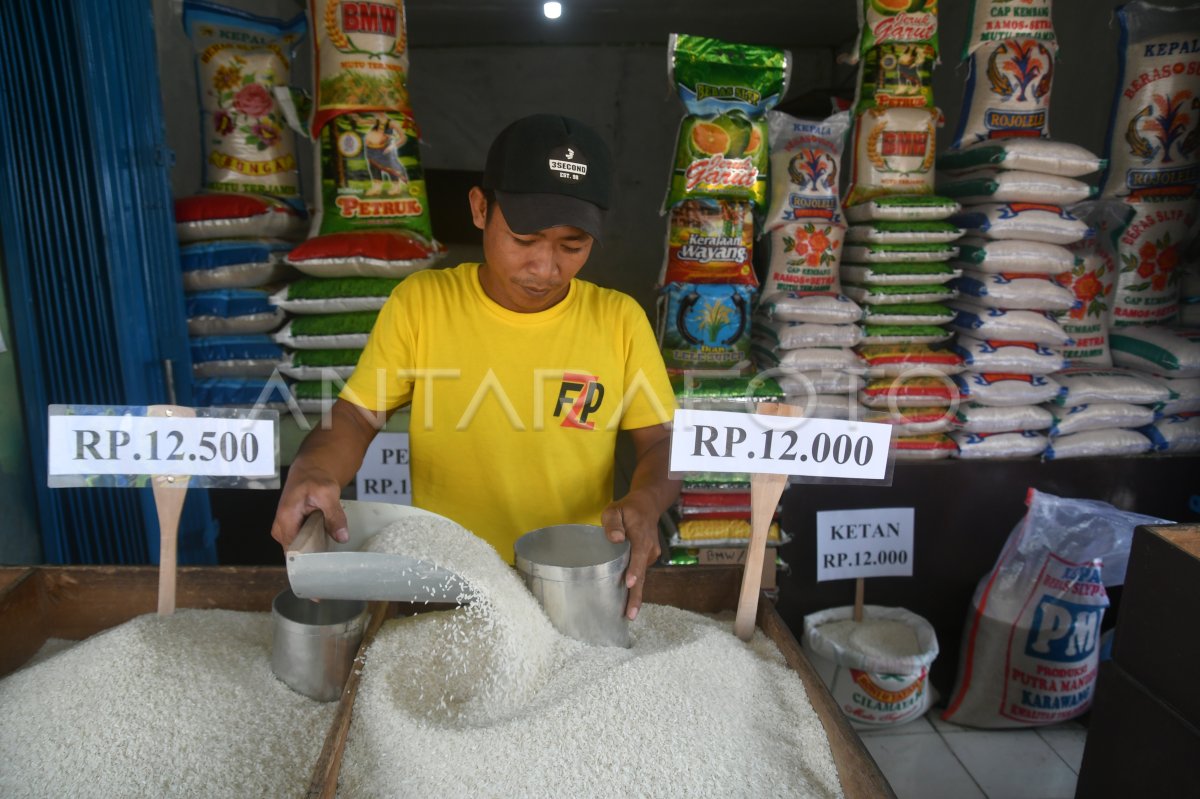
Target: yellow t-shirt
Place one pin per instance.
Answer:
(514, 416)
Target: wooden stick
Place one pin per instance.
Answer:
(858, 599)
(323, 784)
(169, 493)
(765, 490)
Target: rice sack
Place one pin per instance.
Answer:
(1153, 142)
(994, 20)
(241, 58)
(1007, 93)
(893, 153)
(804, 169)
(710, 241)
(1150, 249)
(705, 326)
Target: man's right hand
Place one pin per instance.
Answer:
(327, 460)
(308, 490)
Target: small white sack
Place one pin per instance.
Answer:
(1012, 444)
(1000, 325)
(1098, 416)
(974, 418)
(1017, 357)
(1083, 385)
(1003, 186)
(1015, 255)
(1030, 222)
(1015, 291)
(1095, 443)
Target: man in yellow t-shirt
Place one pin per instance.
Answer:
(519, 375)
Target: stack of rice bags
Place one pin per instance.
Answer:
(899, 243)
(1014, 185)
(708, 283)
(1145, 218)
(235, 234)
(805, 328)
(372, 226)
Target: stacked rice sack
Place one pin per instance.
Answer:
(236, 233)
(1171, 357)
(1015, 186)
(895, 262)
(708, 285)
(805, 327)
(371, 227)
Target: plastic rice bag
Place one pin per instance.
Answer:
(705, 325)
(709, 241)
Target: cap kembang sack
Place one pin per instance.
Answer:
(549, 170)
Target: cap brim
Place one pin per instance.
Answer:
(531, 213)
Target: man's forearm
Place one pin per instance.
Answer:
(338, 448)
(651, 475)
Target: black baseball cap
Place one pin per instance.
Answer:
(549, 170)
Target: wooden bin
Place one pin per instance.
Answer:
(73, 602)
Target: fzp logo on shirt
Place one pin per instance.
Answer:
(583, 394)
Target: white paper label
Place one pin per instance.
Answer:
(384, 475)
(148, 445)
(722, 441)
(875, 542)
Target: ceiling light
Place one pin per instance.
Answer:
(552, 10)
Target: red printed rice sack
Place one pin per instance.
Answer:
(1007, 92)
(709, 241)
(1149, 253)
(241, 58)
(1153, 142)
(894, 150)
(1092, 281)
(360, 55)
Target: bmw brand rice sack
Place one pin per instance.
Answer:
(360, 53)
(1151, 144)
(893, 153)
(241, 59)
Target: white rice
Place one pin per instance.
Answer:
(183, 705)
(490, 700)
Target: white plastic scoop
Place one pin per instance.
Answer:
(320, 568)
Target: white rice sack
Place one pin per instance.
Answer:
(932, 447)
(898, 295)
(1096, 443)
(1007, 389)
(1166, 351)
(1175, 434)
(865, 253)
(1150, 250)
(1083, 385)
(1098, 416)
(893, 153)
(899, 359)
(1023, 154)
(803, 257)
(810, 359)
(903, 208)
(912, 421)
(795, 335)
(1016, 357)
(923, 390)
(233, 264)
(1014, 255)
(1007, 92)
(825, 406)
(1185, 396)
(805, 156)
(1010, 444)
(903, 233)
(1091, 282)
(972, 417)
(908, 314)
(317, 295)
(1151, 153)
(826, 381)
(1014, 290)
(899, 274)
(982, 322)
(994, 20)
(904, 333)
(1027, 221)
(319, 364)
(827, 309)
(989, 185)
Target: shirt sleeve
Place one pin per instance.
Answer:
(376, 383)
(649, 399)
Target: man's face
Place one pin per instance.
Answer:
(527, 273)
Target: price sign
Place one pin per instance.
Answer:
(384, 475)
(116, 445)
(722, 441)
(876, 542)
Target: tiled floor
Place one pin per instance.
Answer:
(932, 759)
